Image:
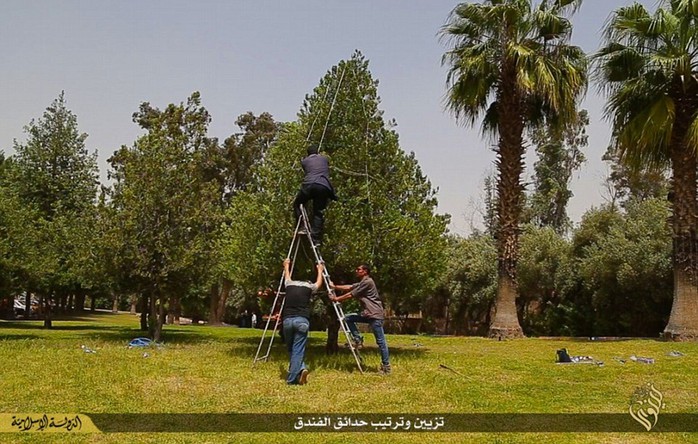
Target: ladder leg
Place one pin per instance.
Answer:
(264, 333)
(293, 248)
(337, 306)
(350, 339)
(281, 308)
(308, 231)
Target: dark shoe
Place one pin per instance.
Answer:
(357, 343)
(303, 378)
(385, 369)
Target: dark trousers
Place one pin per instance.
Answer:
(320, 196)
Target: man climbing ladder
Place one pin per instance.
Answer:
(317, 187)
(303, 227)
(366, 292)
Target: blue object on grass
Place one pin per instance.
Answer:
(140, 342)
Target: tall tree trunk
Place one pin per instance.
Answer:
(45, 302)
(153, 318)
(115, 305)
(506, 321)
(27, 305)
(215, 294)
(683, 321)
(219, 296)
(80, 301)
(144, 312)
(510, 152)
(134, 303)
(173, 311)
(157, 311)
(93, 303)
(177, 310)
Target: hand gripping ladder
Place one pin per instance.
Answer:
(303, 227)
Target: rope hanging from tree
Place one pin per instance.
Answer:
(329, 113)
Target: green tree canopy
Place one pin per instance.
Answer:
(559, 156)
(625, 268)
(52, 186)
(386, 210)
(165, 209)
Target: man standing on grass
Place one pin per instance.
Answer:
(296, 323)
(372, 314)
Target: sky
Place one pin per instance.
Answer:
(264, 56)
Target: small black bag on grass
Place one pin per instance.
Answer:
(562, 356)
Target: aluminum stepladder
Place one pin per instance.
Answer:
(303, 227)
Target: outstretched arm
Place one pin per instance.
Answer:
(341, 298)
(318, 281)
(287, 272)
(340, 287)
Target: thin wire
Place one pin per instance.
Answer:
(334, 100)
(312, 125)
(368, 176)
(354, 173)
(329, 114)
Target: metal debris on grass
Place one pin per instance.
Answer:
(87, 349)
(642, 359)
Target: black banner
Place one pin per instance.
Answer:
(394, 423)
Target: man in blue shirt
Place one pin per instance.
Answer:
(296, 321)
(317, 187)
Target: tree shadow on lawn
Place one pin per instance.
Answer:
(17, 337)
(315, 355)
(168, 337)
(82, 316)
(118, 334)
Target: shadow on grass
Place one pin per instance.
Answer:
(17, 337)
(315, 355)
(83, 316)
(171, 337)
(59, 327)
(94, 330)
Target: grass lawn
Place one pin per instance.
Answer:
(204, 369)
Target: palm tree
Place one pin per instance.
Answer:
(511, 64)
(648, 67)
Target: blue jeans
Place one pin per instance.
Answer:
(296, 336)
(376, 326)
